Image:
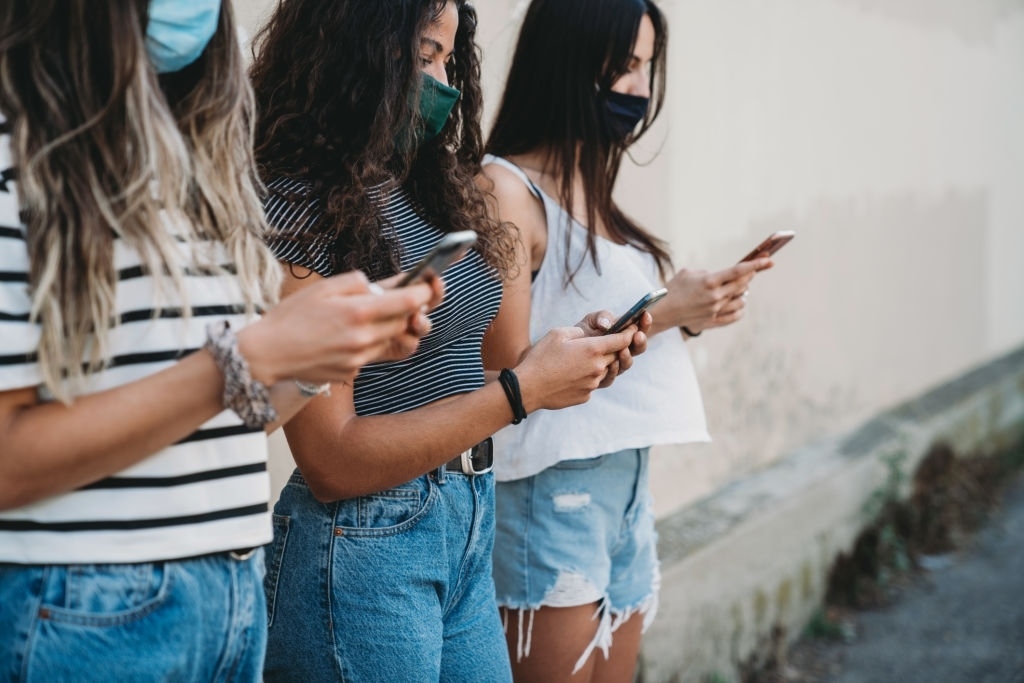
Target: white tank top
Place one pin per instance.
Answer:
(656, 402)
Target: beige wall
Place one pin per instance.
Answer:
(888, 134)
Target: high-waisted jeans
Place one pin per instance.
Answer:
(393, 586)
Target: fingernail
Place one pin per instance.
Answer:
(604, 322)
(375, 288)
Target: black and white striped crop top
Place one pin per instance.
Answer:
(448, 360)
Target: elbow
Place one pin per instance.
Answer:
(328, 486)
(330, 492)
(330, 479)
(322, 491)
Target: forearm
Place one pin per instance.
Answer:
(49, 448)
(365, 454)
(663, 327)
(667, 314)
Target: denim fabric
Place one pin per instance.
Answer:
(393, 586)
(579, 532)
(187, 620)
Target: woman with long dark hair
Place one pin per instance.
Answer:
(369, 141)
(575, 562)
(134, 397)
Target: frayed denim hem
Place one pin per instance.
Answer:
(609, 622)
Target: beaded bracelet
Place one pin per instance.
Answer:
(510, 383)
(248, 397)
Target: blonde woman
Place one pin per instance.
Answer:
(134, 400)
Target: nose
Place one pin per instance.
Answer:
(639, 85)
(633, 83)
(437, 71)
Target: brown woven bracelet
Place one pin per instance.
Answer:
(248, 397)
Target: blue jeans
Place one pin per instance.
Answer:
(185, 620)
(393, 586)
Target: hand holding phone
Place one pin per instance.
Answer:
(447, 251)
(632, 316)
(770, 245)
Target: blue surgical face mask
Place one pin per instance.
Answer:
(179, 31)
(622, 113)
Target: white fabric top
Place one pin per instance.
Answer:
(208, 493)
(656, 402)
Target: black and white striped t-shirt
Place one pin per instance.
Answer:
(447, 361)
(206, 493)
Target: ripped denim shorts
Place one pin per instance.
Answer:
(577, 533)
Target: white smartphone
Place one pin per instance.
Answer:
(447, 251)
(770, 245)
(636, 310)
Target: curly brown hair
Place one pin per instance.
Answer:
(337, 86)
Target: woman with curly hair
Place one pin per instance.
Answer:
(575, 561)
(369, 140)
(134, 399)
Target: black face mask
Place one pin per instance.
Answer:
(622, 113)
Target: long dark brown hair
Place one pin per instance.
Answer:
(105, 149)
(337, 88)
(569, 54)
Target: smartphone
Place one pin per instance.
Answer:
(771, 244)
(447, 251)
(636, 310)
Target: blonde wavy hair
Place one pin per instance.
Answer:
(105, 149)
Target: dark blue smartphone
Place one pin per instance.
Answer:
(636, 310)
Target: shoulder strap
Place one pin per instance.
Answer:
(516, 171)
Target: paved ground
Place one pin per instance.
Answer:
(961, 621)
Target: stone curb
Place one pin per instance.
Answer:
(744, 570)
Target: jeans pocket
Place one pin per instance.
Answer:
(275, 558)
(105, 594)
(386, 512)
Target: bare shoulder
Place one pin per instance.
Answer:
(512, 199)
(504, 184)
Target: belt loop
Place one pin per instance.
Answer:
(441, 474)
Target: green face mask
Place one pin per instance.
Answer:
(436, 103)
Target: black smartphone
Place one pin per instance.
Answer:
(636, 310)
(447, 251)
